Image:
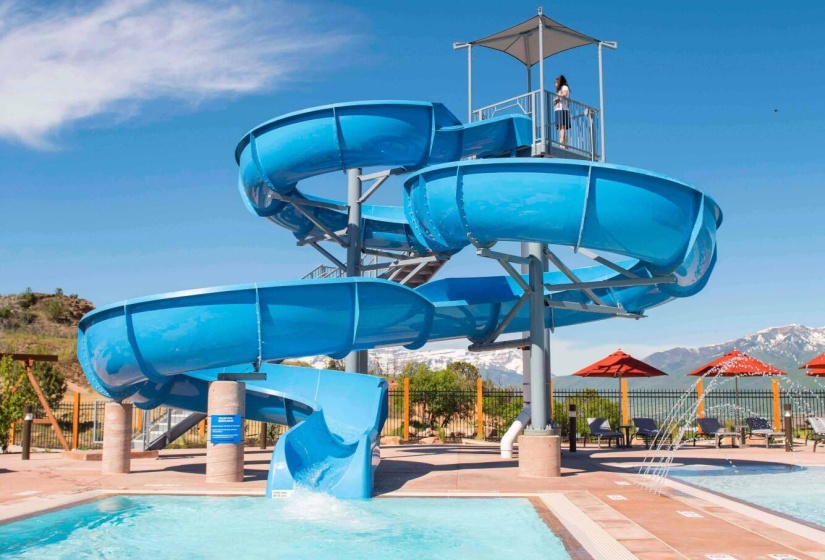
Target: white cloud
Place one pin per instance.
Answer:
(61, 64)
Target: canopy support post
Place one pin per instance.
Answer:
(469, 83)
(541, 91)
(610, 45)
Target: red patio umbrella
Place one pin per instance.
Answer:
(620, 366)
(733, 364)
(816, 367)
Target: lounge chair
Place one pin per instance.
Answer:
(712, 428)
(817, 424)
(600, 429)
(647, 430)
(760, 427)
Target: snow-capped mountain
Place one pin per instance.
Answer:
(503, 367)
(784, 347)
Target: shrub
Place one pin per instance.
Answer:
(27, 298)
(5, 312)
(55, 310)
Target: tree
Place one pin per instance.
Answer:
(51, 381)
(441, 395)
(27, 298)
(588, 405)
(297, 363)
(11, 401)
(337, 365)
(465, 370)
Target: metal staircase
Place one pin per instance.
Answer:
(411, 273)
(159, 430)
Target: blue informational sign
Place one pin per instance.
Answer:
(225, 428)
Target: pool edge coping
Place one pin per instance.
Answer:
(752, 511)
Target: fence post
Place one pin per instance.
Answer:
(406, 430)
(75, 420)
(777, 415)
(263, 434)
(788, 428)
(625, 403)
(479, 408)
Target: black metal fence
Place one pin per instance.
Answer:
(453, 415)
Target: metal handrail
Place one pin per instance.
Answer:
(583, 138)
(324, 271)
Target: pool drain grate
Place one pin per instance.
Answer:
(689, 514)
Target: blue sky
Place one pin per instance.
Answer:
(118, 122)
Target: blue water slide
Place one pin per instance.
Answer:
(459, 191)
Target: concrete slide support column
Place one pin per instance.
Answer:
(539, 455)
(117, 438)
(224, 461)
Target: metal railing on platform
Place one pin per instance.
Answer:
(581, 123)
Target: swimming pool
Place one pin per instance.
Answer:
(788, 489)
(304, 526)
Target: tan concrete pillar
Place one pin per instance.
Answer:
(539, 456)
(224, 461)
(117, 438)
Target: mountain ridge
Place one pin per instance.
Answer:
(785, 347)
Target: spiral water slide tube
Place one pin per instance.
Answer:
(463, 187)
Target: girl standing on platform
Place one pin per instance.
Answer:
(560, 105)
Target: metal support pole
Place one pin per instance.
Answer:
(788, 428)
(541, 86)
(538, 390)
(356, 361)
(469, 83)
(264, 429)
(571, 429)
(27, 432)
(601, 99)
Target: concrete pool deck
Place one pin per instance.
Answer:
(595, 500)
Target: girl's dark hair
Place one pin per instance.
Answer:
(562, 82)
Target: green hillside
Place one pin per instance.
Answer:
(34, 322)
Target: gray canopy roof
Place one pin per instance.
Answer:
(522, 41)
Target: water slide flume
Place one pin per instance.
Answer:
(164, 349)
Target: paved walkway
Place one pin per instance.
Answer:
(596, 500)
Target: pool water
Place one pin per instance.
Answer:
(305, 526)
(788, 489)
